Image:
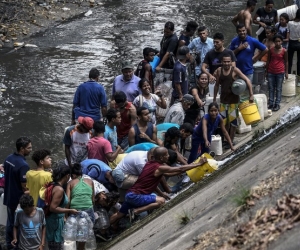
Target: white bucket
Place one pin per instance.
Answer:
(211, 87)
(242, 127)
(208, 100)
(264, 107)
(3, 212)
(289, 86)
(216, 144)
(290, 10)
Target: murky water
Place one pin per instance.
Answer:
(40, 83)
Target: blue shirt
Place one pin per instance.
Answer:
(130, 88)
(111, 136)
(96, 169)
(202, 48)
(244, 57)
(88, 99)
(15, 167)
(179, 76)
(211, 128)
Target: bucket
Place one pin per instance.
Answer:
(264, 99)
(290, 10)
(211, 87)
(196, 174)
(259, 73)
(249, 112)
(216, 144)
(242, 127)
(289, 86)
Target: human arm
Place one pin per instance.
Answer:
(57, 196)
(131, 136)
(42, 245)
(73, 116)
(241, 47)
(197, 98)
(248, 23)
(103, 111)
(163, 61)
(161, 102)
(234, 20)
(286, 64)
(258, 14)
(132, 114)
(217, 84)
(225, 133)
(248, 82)
(165, 186)
(111, 156)
(204, 132)
(148, 69)
(161, 193)
(68, 154)
(204, 69)
(178, 90)
(15, 234)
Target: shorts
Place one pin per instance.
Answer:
(230, 113)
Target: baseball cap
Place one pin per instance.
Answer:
(182, 51)
(127, 65)
(188, 98)
(118, 177)
(87, 122)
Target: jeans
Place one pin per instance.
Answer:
(275, 88)
(10, 226)
(294, 46)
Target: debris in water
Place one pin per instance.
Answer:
(88, 13)
(65, 9)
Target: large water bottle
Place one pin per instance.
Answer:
(82, 228)
(91, 244)
(70, 228)
(103, 220)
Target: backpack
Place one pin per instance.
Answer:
(48, 188)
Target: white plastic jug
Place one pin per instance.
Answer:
(242, 127)
(3, 211)
(211, 87)
(290, 10)
(264, 99)
(69, 245)
(289, 86)
(260, 106)
(216, 144)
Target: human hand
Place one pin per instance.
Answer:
(158, 68)
(73, 211)
(41, 247)
(14, 242)
(212, 78)
(286, 76)
(232, 148)
(207, 144)
(145, 136)
(121, 151)
(243, 46)
(251, 98)
(202, 161)
(166, 196)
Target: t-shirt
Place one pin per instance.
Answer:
(283, 32)
(150, 104)
(294, 28)
(98, 147)
(96, 169)
(168, 44)
(130, 88)
(133, 163)
(244, 57)
(175, 114)
(30, 229)
(15, 167)
(211, 128)
(88, 99)
(77, 142)
(35, 181)
(214, 59)
(112, 136)
(267, 17)
(179, 76)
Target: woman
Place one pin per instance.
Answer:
(148, 100)
(199, 93)
(80, 192)
(55, 221)
(294, 43)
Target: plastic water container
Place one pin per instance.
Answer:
(70, 228)
(91, 244)
(259, 73)
(290, 10)
(211, 88)
(3, 211)
(216, 144)
(242, 127)
(208, 100)
(82, 228)
(289, 86)
(264, 99)
(103, 220)
(69, 245)
(260, 107)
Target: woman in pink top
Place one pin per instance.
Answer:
(277, 67)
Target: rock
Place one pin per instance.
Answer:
(7, 41)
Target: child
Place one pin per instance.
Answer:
(268, 41)
(29, 227)
(277, 67)
(282, 28)
(202, 133)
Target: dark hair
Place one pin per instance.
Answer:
(218, 36)
(60, 172)
(99, 127)
(269, 2)
(191, 25)
(26, 200)
(278, 36)
(226, 55)
(111, 113)
(187, 127)
(297, 14)
(271, 28)
(22, 142)
(141, 82)
(39, 155)
(76, 169)
(147, 51)
(213, 104)
(251, 3)
(202, 28)
(140, 110)
(239, 26)
(285, 16)
(172, 132)
(172, 157)
(120, 97)
(169, 25)
(94, 73)
(203, 73)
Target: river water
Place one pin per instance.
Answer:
(39, 83)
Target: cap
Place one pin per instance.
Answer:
(87, 122)
(182, 51)
(118, 177)
(188, 98)
(127, 65)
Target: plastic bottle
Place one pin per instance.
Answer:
(82, 228)
(70, 228)
(91, 244)
(103, 220)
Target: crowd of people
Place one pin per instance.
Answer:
(119, 153)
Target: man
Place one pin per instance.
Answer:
(128, 117)
(15, 167)
(38, 177)
(99, 148)
(88, 99)
(144, 69)
(127, 82)
(75, 140)
(201, 45)
(176, 112)
(179, 82)
(139, 198)
(187, 34)
(213, 58)
(144, 130)
(113, 119)
(168, 47)
(225, 76)
(244, 16)
(244, 47)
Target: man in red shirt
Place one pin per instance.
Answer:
(140, 197)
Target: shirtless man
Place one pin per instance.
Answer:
(244, 16)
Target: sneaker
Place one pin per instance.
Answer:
(276, 107)
(131, 215)
(270, 106)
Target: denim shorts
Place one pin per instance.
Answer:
(136, 200)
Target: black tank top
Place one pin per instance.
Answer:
(227, 97)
